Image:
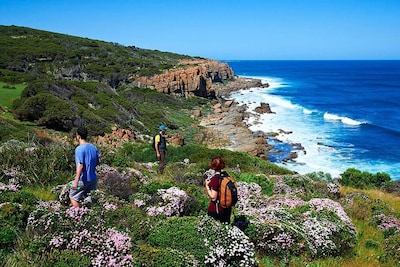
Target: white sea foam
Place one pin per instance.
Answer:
(351, 121)
(292, 118)
(345, 120)
(307, 111)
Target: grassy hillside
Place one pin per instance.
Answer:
(41, 54)
(65, 81)
(140, 110)
(9, 93)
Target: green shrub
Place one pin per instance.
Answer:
(198, 201)
(8, 235)
(266, 184)
(116, 184)
(179, 234)
(131, 218)
(392, 248)
(358, 206)
(13, 214)
(21, 197)
(355, 178)
(380, 179)
(183, 173)
(28, 252)
(305, 187)
(152, 187)
(210, 242)
(371, 244)
(135, 153)
(15, 208)
(320, 176)
(63, 258)
(147, 256)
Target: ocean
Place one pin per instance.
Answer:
(345, 114)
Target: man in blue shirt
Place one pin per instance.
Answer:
(87, 157)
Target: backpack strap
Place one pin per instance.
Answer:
(224, 174)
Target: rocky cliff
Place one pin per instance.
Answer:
(192, 77)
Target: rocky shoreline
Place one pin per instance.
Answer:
(228, 120)
(228, 123)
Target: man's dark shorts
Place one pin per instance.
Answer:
(82, 191)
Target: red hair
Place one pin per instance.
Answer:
(217, 163)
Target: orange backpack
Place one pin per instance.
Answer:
(227, 193)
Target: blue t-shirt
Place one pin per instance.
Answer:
(88, 155)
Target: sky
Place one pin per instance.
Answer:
(225, 29)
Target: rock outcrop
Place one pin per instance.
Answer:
(264, 108)
(116, 138)
(231, 133)
(193, 77)
(238, 83)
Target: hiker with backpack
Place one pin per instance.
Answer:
(160, 146)
(222, 191)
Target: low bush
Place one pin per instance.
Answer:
(197, 202)
(153, 186)
(210, 242)
(148, 256)
(8, 235)
(37, 164)
(82, 230)
(64, 258)
(179, 234)
(358, 179)
(115, 183)
(305, 187)
(392, 248)
(266, 184)
(358, 206)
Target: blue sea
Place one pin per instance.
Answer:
(345, 114)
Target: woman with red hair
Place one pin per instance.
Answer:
(215, 210)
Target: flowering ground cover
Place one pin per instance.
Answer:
(138, 218)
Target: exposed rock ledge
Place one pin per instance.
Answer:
(189, 78)
(227, 122)
(238, 83)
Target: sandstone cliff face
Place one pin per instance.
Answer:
(190, 78)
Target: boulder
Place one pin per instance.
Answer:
(197, 113)
(175, 139)
(263, 108)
